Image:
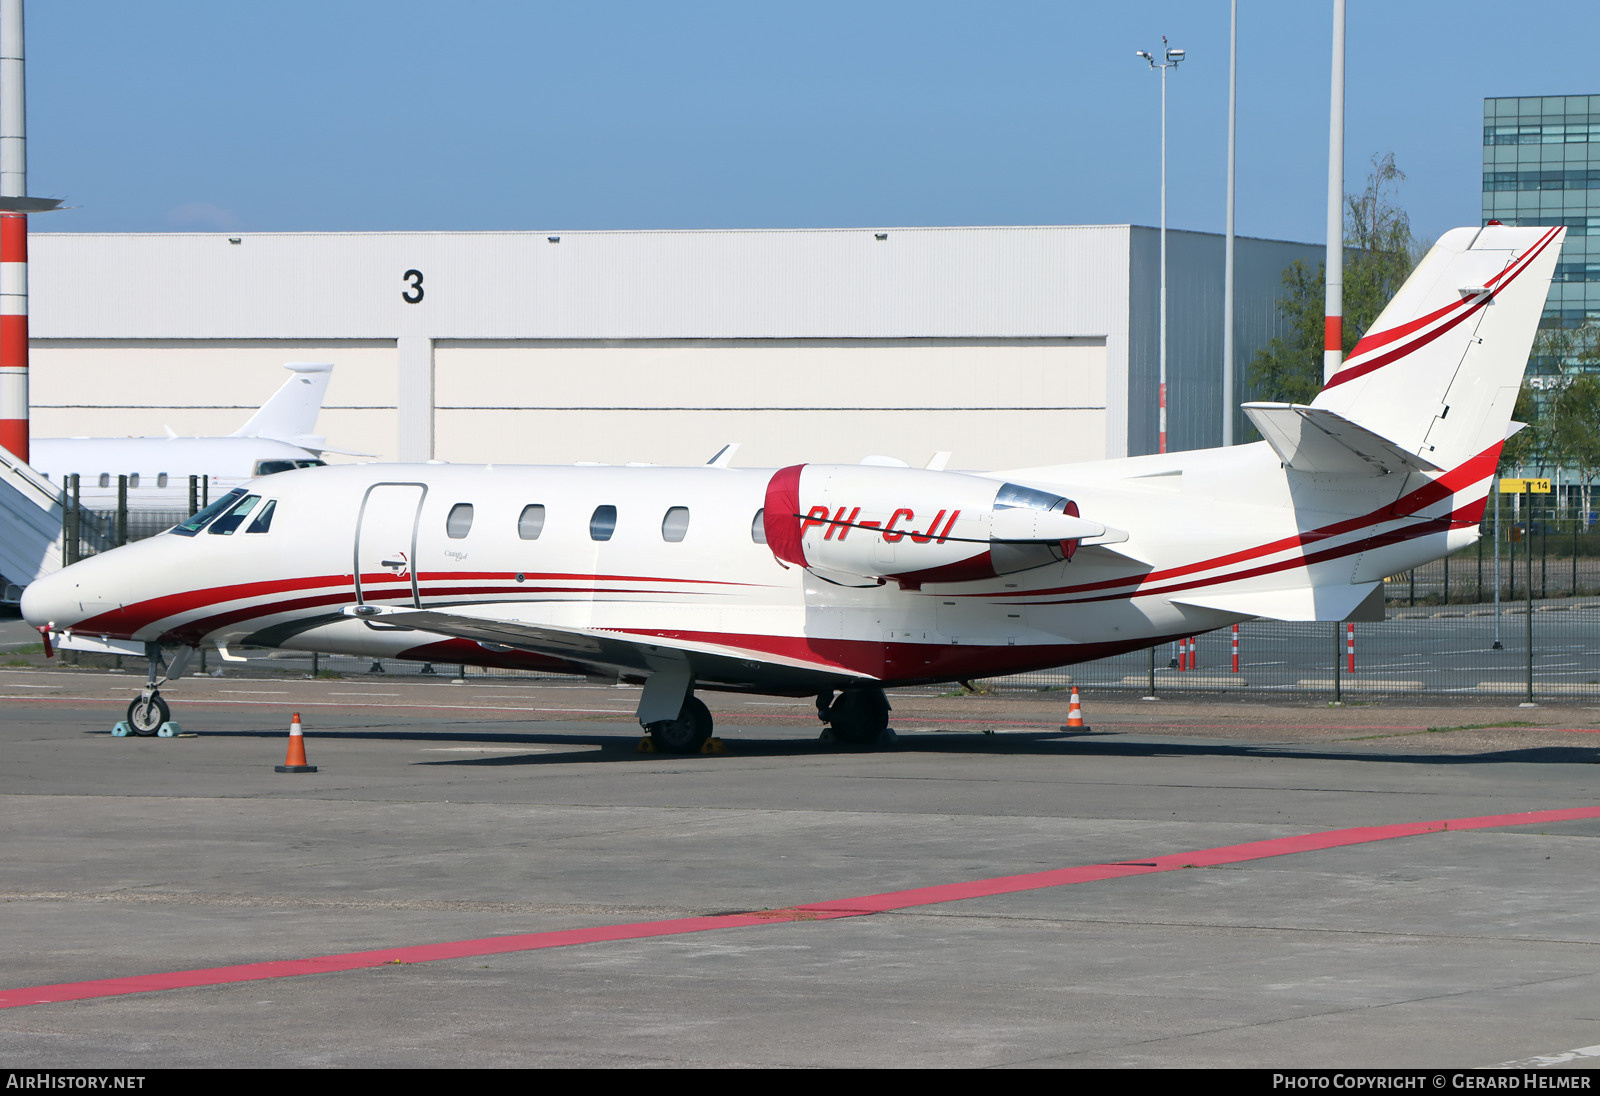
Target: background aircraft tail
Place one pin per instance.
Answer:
(291, 414)
(1437, 375)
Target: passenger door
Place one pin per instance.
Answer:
(386, 542)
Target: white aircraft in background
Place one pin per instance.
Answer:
(277, 438)
(835, 581)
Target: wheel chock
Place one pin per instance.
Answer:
(169, 730)
(121, 730)
(714, 746)
(827, 735)
(646, 745)
(888, 737)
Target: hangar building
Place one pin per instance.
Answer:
(1008, 346)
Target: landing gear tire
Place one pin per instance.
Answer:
(147, 713)
(687, 733)
(859, 717)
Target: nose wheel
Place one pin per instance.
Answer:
(147, 712)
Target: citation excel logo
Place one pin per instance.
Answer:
(891, 531)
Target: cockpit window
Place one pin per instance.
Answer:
(268, 467)
(198, 522)
(227, 523)
(263, 521)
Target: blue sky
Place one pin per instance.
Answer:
(350, 114)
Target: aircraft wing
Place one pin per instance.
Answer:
(606, 650)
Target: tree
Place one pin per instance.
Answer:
(1380, 253)
(1561, 407)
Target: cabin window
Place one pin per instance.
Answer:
(459, 522)
(530, 523)
(675, 525)
(227, 523)
(105, 479)
(263, 520)
(133, 480)
(603, 523)
(161, 479)
(198, 522)
(758, 527)
(272, 467)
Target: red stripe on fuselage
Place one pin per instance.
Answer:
(1463, 476)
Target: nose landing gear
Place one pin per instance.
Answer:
(149, 712)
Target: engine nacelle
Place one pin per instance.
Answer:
(914, 525)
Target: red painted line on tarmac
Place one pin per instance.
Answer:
(199, 700)
(815, 911)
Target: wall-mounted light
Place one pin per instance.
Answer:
(880, 235)
(234, 240)
(554, 239)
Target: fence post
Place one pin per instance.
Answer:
(1495, 488)
(1151, 695)
(120, 536)
(76, 542)
(1527, 490)
(1337, 694)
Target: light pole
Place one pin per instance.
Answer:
(1169, 59)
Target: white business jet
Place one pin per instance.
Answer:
(277, 438)
(836, 581)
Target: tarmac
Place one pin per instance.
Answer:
(1184, 884)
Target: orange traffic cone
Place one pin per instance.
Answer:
(296, 761)
(1075, 712)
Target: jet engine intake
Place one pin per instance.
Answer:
(915, 525)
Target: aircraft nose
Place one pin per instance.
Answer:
(52, 600)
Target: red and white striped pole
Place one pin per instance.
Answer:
(1350, 647)
(1194, 652)
(1333, 352)
(13, 235)
(1183, 655)
(1235, 648)
(14, 333)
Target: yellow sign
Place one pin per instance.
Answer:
(1517, 486)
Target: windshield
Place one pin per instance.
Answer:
(230, 521)
(198, 522)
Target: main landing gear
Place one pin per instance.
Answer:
(859, 717)
(149, 710)
(685, 734)
(676, 720)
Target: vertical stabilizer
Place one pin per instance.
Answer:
(291, 414)
(1439, 371)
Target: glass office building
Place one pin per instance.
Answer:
(1541, 166)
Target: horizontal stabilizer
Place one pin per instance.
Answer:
(1314, 439)
(1297, 603)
